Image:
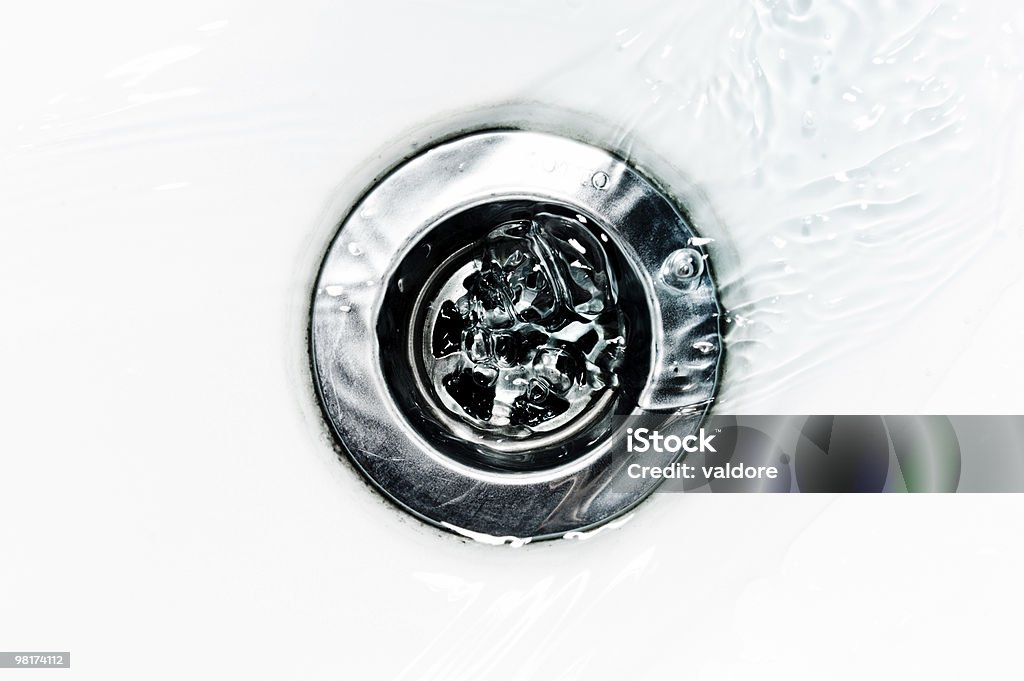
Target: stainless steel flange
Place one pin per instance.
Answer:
(489, 318)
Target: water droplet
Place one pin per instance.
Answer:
(355, 248)
(704, 347)
(599, 180)
(682, 267)
(334, 291)
(809, 124)
(345, 308)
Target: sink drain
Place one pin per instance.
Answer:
(489, 317)
(512, 328)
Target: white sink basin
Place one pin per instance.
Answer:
(170, 177)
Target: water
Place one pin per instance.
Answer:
(525, 333)
(682, 268)
(857, 165)
(842, 153)
(169, 218)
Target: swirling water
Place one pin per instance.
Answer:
(529, 332)
(856, 165)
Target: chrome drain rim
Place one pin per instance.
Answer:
(453, 477)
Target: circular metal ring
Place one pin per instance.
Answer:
(467, 249)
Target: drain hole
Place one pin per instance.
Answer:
(512, 332)
(525, 332)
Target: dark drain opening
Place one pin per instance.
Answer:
(512, 332)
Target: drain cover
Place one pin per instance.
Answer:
(489, 318)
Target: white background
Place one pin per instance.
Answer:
(170, 504)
